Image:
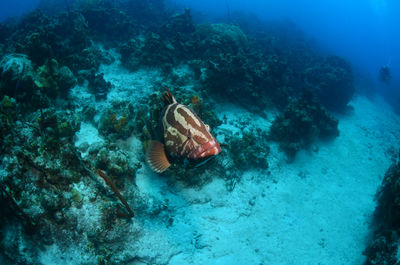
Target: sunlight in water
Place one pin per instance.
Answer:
(379, 7)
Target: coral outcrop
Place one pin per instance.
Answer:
(301, 123)
(54, 80)
(17, 76)
(384, 249)
(332, 82)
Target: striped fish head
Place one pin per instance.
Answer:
(186, 136)
(205, 151)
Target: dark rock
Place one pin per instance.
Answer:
(97, 85)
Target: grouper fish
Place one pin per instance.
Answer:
(185, 137)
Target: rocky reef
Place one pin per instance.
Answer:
(243, 68)
(384, 248)
(300, 124)
(17, 75)
(332, 82)
(60, 186)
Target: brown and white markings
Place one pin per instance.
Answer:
(185, 137)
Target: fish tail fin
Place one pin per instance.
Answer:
(168, 98)
(156, 157)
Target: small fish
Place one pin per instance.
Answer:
(185, 135)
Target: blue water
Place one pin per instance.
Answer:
(365, 32)
(11, 8)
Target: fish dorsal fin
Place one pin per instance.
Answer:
(168, 98)
(156, 157)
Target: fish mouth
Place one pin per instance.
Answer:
(208, 150)
(205, 153)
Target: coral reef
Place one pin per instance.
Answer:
(118, 122)
(17, 76)
(332, 82)
(20, 80)
(56, 46)
(250, 150)
(250, 72)
(115, 27)
(384, 248)
(113, 160)
(47, 185)
(55, 80)
(42, 37)
(130, 213)
(97, 85)
(8, 118)
(59, 188)
(303, 121)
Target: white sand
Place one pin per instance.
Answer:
(130, 85)
(316, 210)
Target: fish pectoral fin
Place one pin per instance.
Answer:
(156, 157)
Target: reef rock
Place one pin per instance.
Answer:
(384, 249)
(54, 79)
(303, 121)
(17, 75)
(332, 82)
(217, 38)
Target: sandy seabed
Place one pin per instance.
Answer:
(315, 210)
